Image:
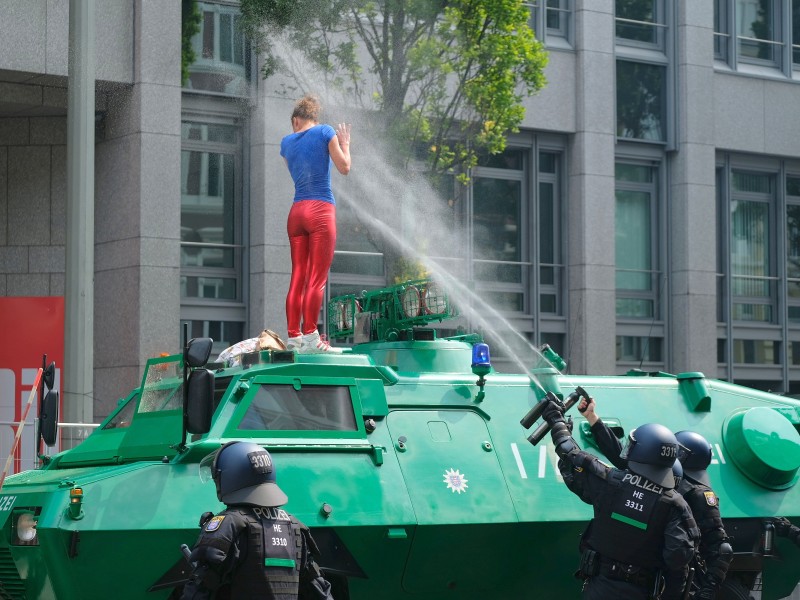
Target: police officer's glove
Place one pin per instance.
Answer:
(553, 413)
(783, 526)
(708, 591)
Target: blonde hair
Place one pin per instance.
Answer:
(308, 107)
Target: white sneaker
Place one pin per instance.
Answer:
(294, 343)
(313, 343)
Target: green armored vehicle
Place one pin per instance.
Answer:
(405, 455)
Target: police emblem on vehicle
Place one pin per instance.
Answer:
(214, 523)
(455, 481)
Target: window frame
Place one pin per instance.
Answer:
(793, 201)
(777, 375)
(553, 37)
(769, 201)
(526, 252)
(234, 272)
(328, 436)
(645, 329)
(729, 53)
(207, 317)
(658, 55)
(660, 25)
(667, 98)
(536, 326)
(214, 65)
(793, 25)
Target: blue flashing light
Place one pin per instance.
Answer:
(480, 356)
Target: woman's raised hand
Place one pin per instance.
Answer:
(343, 134)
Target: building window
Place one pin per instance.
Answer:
(551, 259)
(506, 217)
(498, 215)
(638, 264)
(222, 53)
(516, 241)
(641, 23)
(759, 241)
(757, 27)
(641, 101)
(637, 271)
(722, 36)
(636, 350)
(551, 20)
(211, 232)
(752, 272)
(793, 249)
(758, 31)
(796, 33)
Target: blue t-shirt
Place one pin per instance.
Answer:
(310, 162)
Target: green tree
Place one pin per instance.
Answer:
(450, 74)
(190, 25)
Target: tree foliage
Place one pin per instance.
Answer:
(449, 75)
(190, 25)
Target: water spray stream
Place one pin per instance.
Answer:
(403, 208)
(466, 299)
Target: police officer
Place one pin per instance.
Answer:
(253, 548)
(715, 551)
(784, 528)
(642, 529)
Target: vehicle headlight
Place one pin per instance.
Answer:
(24, 526)
(410, 301)
(434, 299)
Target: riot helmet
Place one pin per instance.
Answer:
(651, 451)
(677, 471)
(695, 457)
(244, 474)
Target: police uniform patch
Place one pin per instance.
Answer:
(214, 523)
(711, 498)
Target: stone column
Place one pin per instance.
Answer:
(692, 209)
(79, 295)
(592, 334)
(271, 192)
(138, 197)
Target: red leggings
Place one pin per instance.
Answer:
(312, 239)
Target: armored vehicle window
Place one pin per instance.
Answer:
(220, 387)
(123, 417)
(312, 407)
(162, 388)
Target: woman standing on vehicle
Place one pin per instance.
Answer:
(311, 226)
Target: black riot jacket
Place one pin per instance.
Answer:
(635, 521)
(248, 552)
(630, 520)
(714, 545)
(701, 499)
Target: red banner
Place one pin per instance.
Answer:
(29, 328)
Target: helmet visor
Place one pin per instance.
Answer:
(630, 442)
(207, 467)
(683, 452)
